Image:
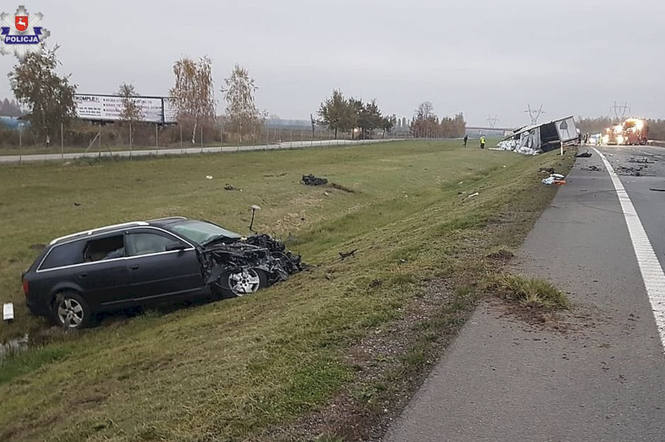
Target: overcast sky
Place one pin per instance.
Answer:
(479, 57)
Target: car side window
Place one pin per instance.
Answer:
(64, 255)
(145, 243)
(110, 247)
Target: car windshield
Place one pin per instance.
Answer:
(202, 232)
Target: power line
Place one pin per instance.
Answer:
(616, 109)
(534, 114)
(492, 121)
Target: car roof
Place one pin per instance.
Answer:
(154, 222)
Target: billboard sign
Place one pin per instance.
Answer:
(109, 108)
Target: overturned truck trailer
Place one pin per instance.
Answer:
(539, 138)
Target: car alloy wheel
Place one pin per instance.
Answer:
(70, 313)
(244, 282)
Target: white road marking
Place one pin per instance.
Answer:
(652, 272)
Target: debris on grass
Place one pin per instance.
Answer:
(501, 254)
(549, 170)
(529, 292)
(586, 154)
(208, 177)
(311, 180)
(345, 255)
(231, 188)
(553, 179)
(342, 188)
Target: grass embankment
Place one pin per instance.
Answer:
(235, 369)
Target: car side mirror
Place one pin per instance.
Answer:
(175, 246)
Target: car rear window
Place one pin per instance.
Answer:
(64, 255)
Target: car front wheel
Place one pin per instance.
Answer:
(241, 282)
(70, 311)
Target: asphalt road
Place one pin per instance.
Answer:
(13, 159)
(598, 373)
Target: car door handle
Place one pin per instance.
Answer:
(82, 275)
(134, 267)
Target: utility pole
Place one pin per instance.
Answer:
(534, 114)
(492, 121)
(622, 110)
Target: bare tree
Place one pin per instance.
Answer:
(193, 94)
(132, 112)
(241, 110)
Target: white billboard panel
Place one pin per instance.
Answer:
(109, 108)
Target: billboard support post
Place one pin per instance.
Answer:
(131, 144)
(62, 141)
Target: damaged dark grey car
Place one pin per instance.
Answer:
(147, 262)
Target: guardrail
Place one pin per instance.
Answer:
(19, 159)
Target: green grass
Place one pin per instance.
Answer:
(230, 370)
(529, 292)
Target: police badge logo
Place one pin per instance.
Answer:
(22, 33)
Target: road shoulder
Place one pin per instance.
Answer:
(595, 375)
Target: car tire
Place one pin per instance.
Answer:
(238, 283)
(70, 311)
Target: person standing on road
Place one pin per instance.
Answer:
(466, 139)
(482, 142)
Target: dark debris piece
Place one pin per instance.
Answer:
(593, 169)
(345, 255)
(311, 180)
(230, 187)
(586, 154)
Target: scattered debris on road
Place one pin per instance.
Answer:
(311, 180)
(586, 154)
(350, 254)
(593, 169)
(631, 171)
(640, 160)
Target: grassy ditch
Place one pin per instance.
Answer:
(240, 369)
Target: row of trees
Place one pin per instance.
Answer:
(340, 114)
(50, 100)
(50, 97)
(426, 124)
(10, 108)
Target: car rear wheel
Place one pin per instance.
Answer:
(70, 311)
(242, 282)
